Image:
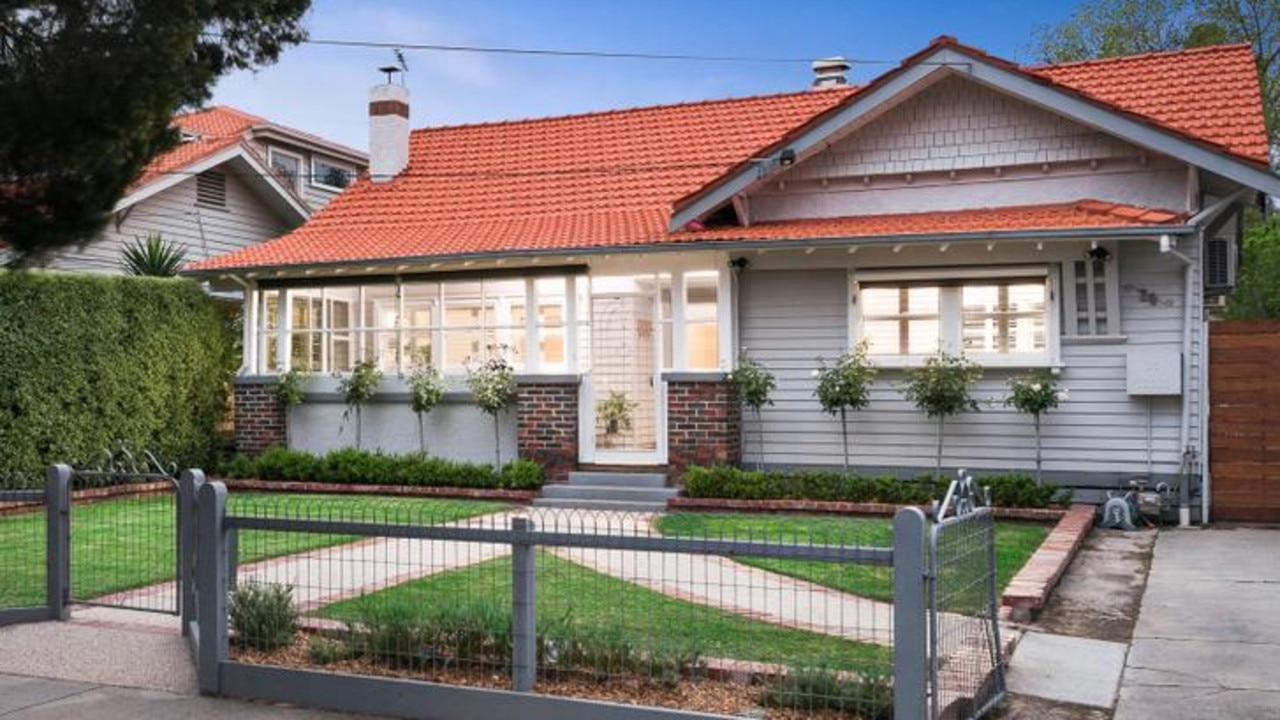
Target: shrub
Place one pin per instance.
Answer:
(869, 696)
(943, 387)
(845, 386)
(350, 466)
(326, 651)
(1011, 490)
(357, 389)
(94, 362)
(263, 615)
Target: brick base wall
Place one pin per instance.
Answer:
(704, 425)
(259, 418)
(547, 425)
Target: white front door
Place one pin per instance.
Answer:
(624, 413)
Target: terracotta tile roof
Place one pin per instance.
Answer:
(215, 128)
(611, 179)
(1059, 216)
(1212, 94)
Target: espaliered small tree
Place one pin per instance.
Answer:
(943, 387)
(753, 385)
(1035, 393)
(357, 390)
(493, 389)
(844, 386)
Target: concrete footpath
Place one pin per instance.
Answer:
(29, 698)
(1207, 642)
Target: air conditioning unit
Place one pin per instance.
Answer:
(1222, 251)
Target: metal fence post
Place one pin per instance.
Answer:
(910, 691)
(188, 485)
(211, 573)
(524, 664)
(58, 541)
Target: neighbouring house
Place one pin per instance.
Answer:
(1078, 217)
(233, 181)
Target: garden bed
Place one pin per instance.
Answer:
(682, 503)
(302, 487)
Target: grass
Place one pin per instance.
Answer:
(130, 542)
(603, 605)
(1015, 542)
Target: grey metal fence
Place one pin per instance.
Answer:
(34, 542)
(124, 519)
(442, 609)
(966, 665)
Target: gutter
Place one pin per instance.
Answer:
(1145, 232)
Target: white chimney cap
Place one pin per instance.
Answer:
(830, 72)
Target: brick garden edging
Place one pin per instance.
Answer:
(841, 508)
(293, 486)
(1029, 590)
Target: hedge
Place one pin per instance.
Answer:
(92, 362)
(362, 467)
(1008, 490)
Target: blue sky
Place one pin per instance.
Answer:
(323, 89)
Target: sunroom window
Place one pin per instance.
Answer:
(999, 318)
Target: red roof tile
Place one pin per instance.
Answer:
(215, 129)
(610, 179)
(1211, 94)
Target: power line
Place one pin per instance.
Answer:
(567, 53)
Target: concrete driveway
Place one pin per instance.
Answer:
(1207, 642)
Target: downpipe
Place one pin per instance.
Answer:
(1184, 430)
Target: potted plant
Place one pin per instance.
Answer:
(752, 385)
(942, 387)
(493, 389)
(426, 391)
(1035, 393)
(288, 391)
(844, 386)
(614, 412)
(357, 390)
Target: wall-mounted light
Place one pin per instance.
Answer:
(1097, 253)
(739, 264)
(787, 158)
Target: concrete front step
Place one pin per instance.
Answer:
(618, 479)
(608, 492)
(616, 505)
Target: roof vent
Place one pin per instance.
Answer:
(830, 72)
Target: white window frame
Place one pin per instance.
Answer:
(951, 312)
(1070, 308)
(272, 151)
(315, 175)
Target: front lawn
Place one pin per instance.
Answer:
(602, 606)
(130, 542)
(1015, 542)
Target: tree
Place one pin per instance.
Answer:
(357, 389)
(1035, 393)
(1107, 28)
(290, 390)
(152, 257)
(426, 391)
(493, 388)
(89, 88)
(753, 385)
(942, 387)
(845, 386)
(1257, 294)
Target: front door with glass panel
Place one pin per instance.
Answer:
(629, 319)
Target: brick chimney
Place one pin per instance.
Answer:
(388, 130)
(830, 72)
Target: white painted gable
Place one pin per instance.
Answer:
(958, 144)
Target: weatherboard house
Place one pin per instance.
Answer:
(233, 180)
(1083, 218)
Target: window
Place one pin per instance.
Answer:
(211, 189)
(330, 176)
(1000, 318)
(701, 328)
(401, 325)
(1091, 297)
(286, 166)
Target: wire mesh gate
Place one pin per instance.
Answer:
(124, 529)
(966, 664)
